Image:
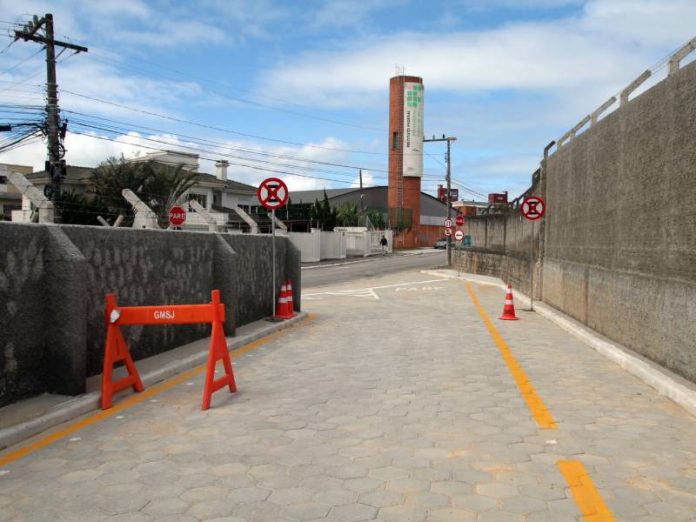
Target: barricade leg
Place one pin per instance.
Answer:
(116, 351)
(216, 352)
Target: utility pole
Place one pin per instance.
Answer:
(449, 140)
(55, 165)
(362, 203)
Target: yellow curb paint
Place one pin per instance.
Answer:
(132, 400)
(536, 406)
(584, 492)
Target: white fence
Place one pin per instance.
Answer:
(333, 245)
(339, 244)
(362, 242)
(317, 245)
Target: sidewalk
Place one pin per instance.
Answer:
(26, 418)
(401, 398)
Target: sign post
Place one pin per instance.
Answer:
(272, 194)
(533, 209)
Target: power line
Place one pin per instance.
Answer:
(200, 148)
(253, 167)
(470, 190)
(224, 145)
(238, 98)
(22, 62)
(221, 129)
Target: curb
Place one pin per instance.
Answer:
(665, 382)
(89, 402)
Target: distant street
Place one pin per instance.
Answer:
(339, 271)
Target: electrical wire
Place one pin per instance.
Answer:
(220, 129)
(234, 98)
(209, 151)
(213, 143)
(253, 167)
(22, 62)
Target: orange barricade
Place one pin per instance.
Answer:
(116, 349)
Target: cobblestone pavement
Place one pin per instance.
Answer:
(392, 404)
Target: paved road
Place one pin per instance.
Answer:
(400, 400)
(333, 272)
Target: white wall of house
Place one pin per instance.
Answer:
(232, 200)
(207, 192)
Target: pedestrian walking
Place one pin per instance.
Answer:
(383, 244)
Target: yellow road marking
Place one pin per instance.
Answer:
(584, 491)
(536, 406)
(131, 401)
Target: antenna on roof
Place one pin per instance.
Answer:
(400, 69)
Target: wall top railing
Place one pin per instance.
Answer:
(674, 61)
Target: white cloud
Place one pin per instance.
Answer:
(347, 13)
(90, 150)
(170, 33)
(610, 43)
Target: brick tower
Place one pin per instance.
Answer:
(405, 156)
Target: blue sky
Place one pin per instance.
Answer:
(267, 84)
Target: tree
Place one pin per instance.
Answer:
(348, 215)
(78, 209)
(159, 186)
(376, 218)
(325, 214)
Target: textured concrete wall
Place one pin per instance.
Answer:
(621, 225)
(142, 267)
(510, 268)
(53, 280)
(22, 310)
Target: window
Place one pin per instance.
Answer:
(201, 198)
(217, 198)
(395, 140)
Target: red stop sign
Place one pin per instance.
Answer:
(177, 216)
(459, 220)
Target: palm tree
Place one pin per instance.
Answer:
(160, 186)
(348, 215)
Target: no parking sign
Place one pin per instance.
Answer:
(272, 193)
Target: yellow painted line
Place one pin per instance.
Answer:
(584, 492)
(133, 400)
(536, 406)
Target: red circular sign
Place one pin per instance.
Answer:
(459, 235)
(533, 208)
(448, 231)
(177, 215)
(272, 193)
(459, 220)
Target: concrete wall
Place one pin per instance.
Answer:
(501, 248)
(617, 248)
(621, 225)
(53, 280)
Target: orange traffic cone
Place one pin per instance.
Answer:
(282, 307)
(288, 298)
(282, 303)
(509, 308)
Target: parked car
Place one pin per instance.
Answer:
(441, 243)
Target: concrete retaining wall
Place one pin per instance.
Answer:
(53, 280)
(617, 248)
(621, 225)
